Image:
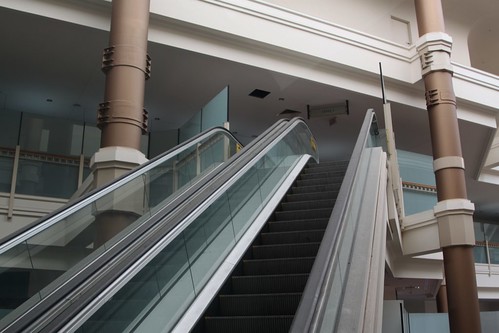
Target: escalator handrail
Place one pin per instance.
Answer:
(312, 305)
(115, 269)
(43, 223)
(45, 306)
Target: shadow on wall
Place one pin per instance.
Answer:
(483, 45)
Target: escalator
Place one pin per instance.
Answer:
(209, 231)
(46, 259)
(264, 291)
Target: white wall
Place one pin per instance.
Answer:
(368, 16)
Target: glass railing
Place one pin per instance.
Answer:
(439, 322)
(486, 250)
(173, 273)
(38, 261)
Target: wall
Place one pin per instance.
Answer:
(363, 15)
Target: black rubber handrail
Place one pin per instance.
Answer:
(312, 304)
(60, 299)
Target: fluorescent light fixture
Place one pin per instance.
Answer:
(327, 110)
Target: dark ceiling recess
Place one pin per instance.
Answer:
(288, 111)
(259, 93)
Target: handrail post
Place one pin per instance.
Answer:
(15, 169)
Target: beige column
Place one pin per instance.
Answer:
(121, 117)
(453, 211)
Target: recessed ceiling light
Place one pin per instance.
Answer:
(258, 93)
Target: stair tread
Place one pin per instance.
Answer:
(270, 276)
(278, 259)
(290, 244)
(249, 317)
(291, 232)
(261, 295)
(302, 220)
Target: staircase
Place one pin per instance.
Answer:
(263, 293)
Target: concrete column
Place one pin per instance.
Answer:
(122, 117)
(453, 211)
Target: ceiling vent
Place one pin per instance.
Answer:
(258, 93)
(288, 112)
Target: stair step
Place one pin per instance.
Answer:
(315, 188)
(303, 214)
(322, 175)
(307, 205)
(291, 237)
(312, 182)
(311, 196)
(296, 225)
(259, 304)
(285, 250)
(332, 164)
(277, 266)
(266, 284)
(249, 324)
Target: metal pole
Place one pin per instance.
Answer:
(122, 117)
(454, 211)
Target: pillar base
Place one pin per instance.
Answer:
(110, 163)
(120, 208)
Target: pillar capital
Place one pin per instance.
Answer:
(434, 49)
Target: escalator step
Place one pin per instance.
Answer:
(315, 188)
(295, 225)
(307, 205)
(259, 304)
(325, 175)
(311, 196)
(277, 266)
(260, 324)
(303, 214)
(329, 165)
(266, 284)
(312, 182)
(291, 237)
(285, 250)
